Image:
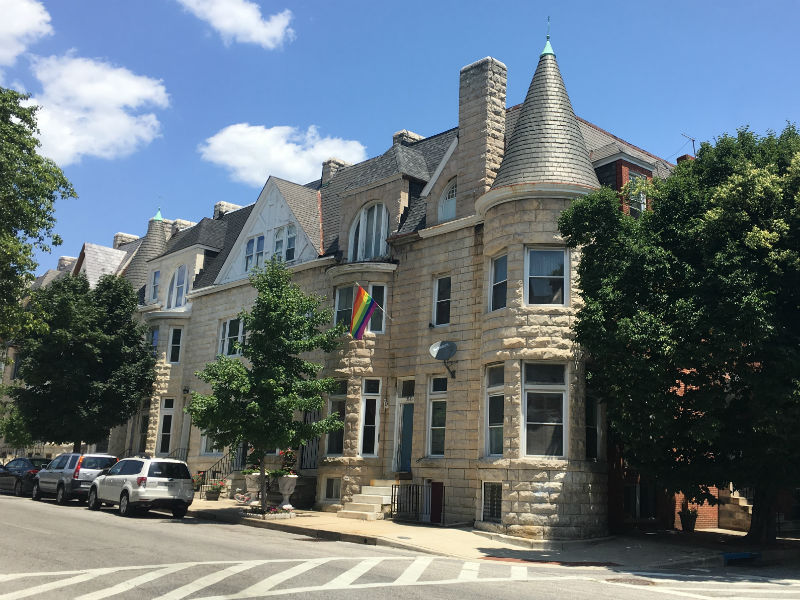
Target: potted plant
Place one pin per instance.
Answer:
(688, 518)
(287, 480)
(213, 490)
(197, 480)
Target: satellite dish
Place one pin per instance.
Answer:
(444, 351)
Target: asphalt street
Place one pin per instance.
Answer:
(50, 551)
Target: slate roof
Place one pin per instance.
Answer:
(100, 260)
(233, 223)
(302, 201)
(149, 246)
(546, 144)
(208, 232)
(47, 278)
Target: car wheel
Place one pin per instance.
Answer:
(36, 494)
(18, 488)
(93, 503)
(179, 512)
(125, 508)
(61, 495)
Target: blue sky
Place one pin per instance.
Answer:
(179, 104)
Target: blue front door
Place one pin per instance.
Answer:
(406, 438)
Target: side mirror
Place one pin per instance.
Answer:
(104, 472)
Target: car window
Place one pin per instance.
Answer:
(169, 469)
(39, 463)
(115, 470)
(97, 462)
(73, 459)
(15, 464)
(132, 467)
(59, 462)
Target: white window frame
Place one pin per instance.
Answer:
(640, 199)
(356, 253)
(172, 331)
(493, 284)
(436, 301)
(566, 294)
(336, 397)
(447, 202)
(223, 336)
(165, 412)
(352, 299)
(155, 329)
(253, 257)
(325, 488)
(155, 281)
(493, 391)
(285, 243)
(204, 438)
(176, 295)
(378, 313)
(546, 388)
(436, 397)
(365, 397)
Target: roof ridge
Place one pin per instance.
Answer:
(619, 139)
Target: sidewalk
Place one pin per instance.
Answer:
(636, 552)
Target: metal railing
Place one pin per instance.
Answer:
(233, 461)
(419, 503)
(179, 454)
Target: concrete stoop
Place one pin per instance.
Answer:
(372, 503)
(735, 511)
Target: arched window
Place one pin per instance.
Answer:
(285, 238)
(368, 233)
(177, 288)
(447, 203)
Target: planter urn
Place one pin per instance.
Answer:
(286, 485)
(212, 494)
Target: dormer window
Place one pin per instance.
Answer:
(177, 288)
(285, 238)
(368, 233)
(447, 203)
(254, 253)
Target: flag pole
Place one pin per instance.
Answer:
(378, 306)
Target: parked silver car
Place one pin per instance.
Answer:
(139, 484)
(70, 475)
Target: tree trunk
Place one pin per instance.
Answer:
(263, 484)
(762, 522)
(76, 447)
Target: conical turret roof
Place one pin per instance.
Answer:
(546, 145)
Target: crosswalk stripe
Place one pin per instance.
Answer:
(469, 571)
(54, 585)
(132, 583)
(414, 570)
(351, 575)
(519, 572)
(209, 580)
(265, 585)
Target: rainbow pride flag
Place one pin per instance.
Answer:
(363, 307)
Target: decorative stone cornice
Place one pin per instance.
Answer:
(518, 191)
(449, 226)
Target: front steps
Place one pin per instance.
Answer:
(369, 505)
(734, 511)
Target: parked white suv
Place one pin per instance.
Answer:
(142, 483)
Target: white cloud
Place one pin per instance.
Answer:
(23, 22)
(251, 152)
(241, 21)
(92, 108)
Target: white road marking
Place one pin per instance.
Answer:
(54, 585)
(265, 585)
(351, 575)
(132, 583)
(469, 571)
(414, 571)
(209, 580)
(519, 572)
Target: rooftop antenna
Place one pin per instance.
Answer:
(548, 27)
(694, 153)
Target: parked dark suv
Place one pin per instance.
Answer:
(70, 476)
(18, 475)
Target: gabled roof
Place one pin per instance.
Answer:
(302, 201)
(208, 232)
(48, 277)
(98, 260)
(233, 223)
(546, 145)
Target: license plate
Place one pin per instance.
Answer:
(85, 483)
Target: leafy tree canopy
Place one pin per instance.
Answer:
(260, 400)
(691, 318)
(29, 186)
(92, 367)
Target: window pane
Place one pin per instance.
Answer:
(499, 295)
(495, 375)
(438, 414)
(544, 408)
(544, 373)
(443, 289)
(543, 290)
(368, 440)
(376, 320)
(259, 244)
(496, 440)
(344, 307)
(176, 337)
(249, 250)
(496, 410)
(341, 387)
(439, 384)
(437, 442)
(369, 411)
(545, 440)
(443, 312)
(369, 237)
(499, 270)
(169, 403)
(407, 388)
(372, 386)
(547, 263)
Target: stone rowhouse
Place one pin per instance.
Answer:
(455, 235)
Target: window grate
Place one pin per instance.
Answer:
(492, 502)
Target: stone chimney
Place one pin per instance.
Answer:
(221, 208)
(65, 263)
(481, 129)
(123, 238)
(680, 159)
(330, 167)
(406, 137)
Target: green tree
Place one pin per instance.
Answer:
(691, 319)
(91, 368)
(29, 186)
(260, 400)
